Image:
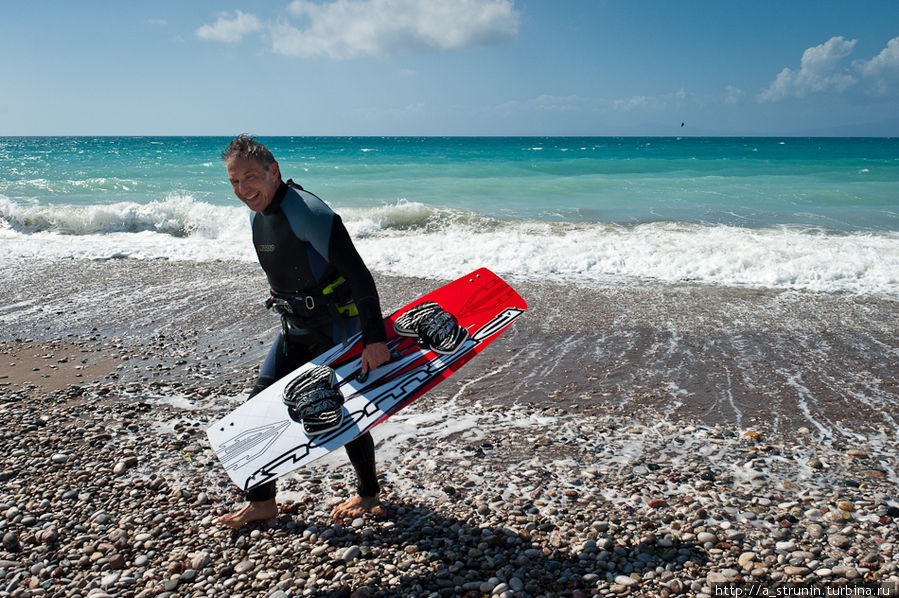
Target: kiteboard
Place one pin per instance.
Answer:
(270, 435)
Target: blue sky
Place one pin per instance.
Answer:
(463, 67)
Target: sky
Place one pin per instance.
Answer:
(450, 67)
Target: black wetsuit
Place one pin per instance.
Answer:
(303, 247)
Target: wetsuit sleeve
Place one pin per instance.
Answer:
(344, 257)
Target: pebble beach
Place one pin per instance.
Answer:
(646, 454)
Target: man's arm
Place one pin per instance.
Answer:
(343, 255)
(311, 219)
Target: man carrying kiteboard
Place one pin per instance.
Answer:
(324, 294)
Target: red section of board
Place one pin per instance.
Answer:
(475, 299)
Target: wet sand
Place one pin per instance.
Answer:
(745, 358)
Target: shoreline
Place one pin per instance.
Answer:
(523, 475)
(778, 360)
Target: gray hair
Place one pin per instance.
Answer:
(245, 146)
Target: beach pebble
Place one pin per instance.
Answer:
(785, 546)
(116, 561)
(49, 535)
(797, 571)
(201, 560)
(626, 581)
(11, 542)
(351, 553)
(839, 541)
(488, 586)
(845, 572)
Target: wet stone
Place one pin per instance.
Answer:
(839, 541)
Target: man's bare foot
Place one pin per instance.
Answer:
(357, 506)
(252, 511)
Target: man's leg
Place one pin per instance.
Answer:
(361, 452)
(261, 504)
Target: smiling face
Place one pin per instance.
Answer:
(253, 184)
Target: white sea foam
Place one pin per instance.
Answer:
(178, 228)
(410, 238)
(670, 252)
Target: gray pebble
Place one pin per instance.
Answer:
(839, 541)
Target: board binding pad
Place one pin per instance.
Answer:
(432, 326)
(260, 441)
(313, 400)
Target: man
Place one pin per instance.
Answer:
(323, 291)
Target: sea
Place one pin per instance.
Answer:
(743, 282)
(817, 214)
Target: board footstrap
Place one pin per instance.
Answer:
(433, 326)
(313, 400)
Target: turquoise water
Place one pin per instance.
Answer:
(708, 209)
(836, 184)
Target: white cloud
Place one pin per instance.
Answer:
(230, 29)
(656, 102)
(553, 103)
(631, 103)
(819, 71)
(160, 22)
(345, 29)
(732, 95)
(883, 69)
(574, 103)
(546, 103)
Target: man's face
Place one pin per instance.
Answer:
(253, 184)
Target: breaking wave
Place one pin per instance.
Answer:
(410, 238)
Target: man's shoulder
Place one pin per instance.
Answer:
(308, 216)
(298, 198)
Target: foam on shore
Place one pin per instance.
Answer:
(413, 239)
